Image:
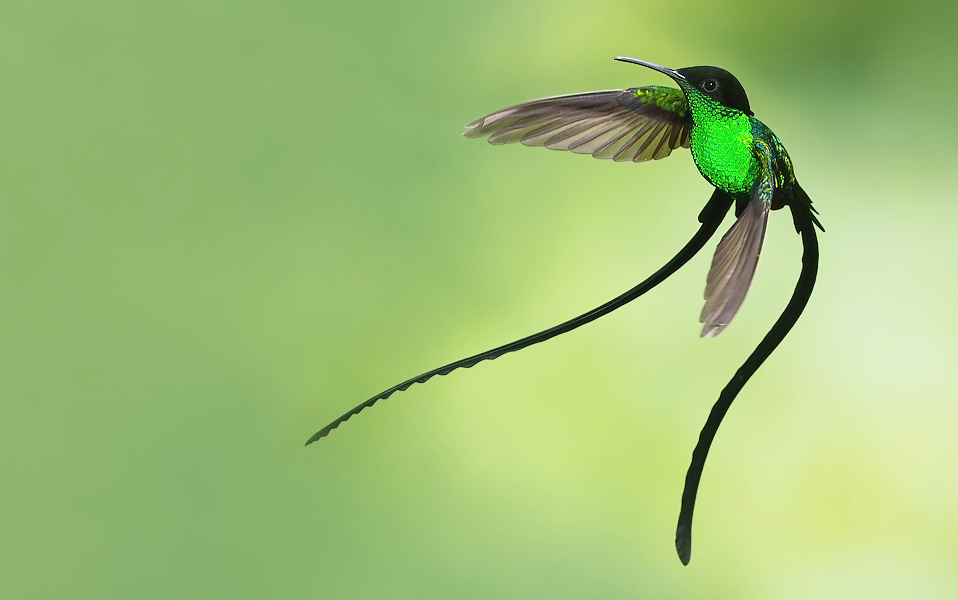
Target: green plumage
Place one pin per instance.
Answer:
(722, 142)
(666, 98)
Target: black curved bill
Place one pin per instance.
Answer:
(664, 70)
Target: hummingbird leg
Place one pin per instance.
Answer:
(710, 217)
(805, 223)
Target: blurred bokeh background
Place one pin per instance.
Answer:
(223, 224)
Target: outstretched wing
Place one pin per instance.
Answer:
(736, 257)
(636, 124)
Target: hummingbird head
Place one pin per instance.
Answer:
(718, 84)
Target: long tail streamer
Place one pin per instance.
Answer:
(805, 224)
(710, 218)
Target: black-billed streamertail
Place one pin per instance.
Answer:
(741, 157)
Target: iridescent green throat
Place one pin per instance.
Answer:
(721, 141)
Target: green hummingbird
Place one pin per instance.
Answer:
(735, 152)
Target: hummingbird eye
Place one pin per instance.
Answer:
(710, 85)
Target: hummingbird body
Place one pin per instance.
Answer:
(721, 144)
(735, 152)
(723, 141)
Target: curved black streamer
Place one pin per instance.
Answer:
(804, 223)
(710, 217)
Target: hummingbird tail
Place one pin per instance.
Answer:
(804, 202)
(805, 223)
(710, 218)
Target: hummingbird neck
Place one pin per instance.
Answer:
(702, 108)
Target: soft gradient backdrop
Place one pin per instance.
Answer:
(224, 223)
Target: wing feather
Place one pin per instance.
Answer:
(735, 259)
(637, 124)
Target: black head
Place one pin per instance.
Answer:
(718, 84)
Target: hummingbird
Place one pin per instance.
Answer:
(745, 162)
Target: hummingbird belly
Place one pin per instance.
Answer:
(722, 150)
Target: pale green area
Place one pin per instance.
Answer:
(224, 223)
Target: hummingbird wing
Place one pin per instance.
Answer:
(736, 257)
(637, 124)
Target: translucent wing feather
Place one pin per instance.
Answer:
(736, 257)
(636, 124)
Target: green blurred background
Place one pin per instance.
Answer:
(225, 223)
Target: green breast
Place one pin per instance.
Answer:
(721, 143)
